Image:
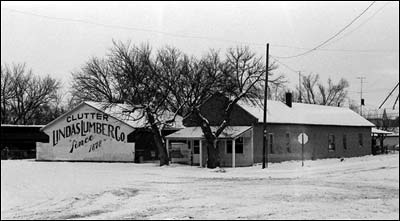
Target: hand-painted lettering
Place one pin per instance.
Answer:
(80, 125)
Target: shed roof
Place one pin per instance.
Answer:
(309, 114)
(378, 131)
(197, 133)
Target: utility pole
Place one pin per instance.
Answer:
(265, 152)
(389, 96)
(300, 98)
(361, 97)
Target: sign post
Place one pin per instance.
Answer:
(303, 139)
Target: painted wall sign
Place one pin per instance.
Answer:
(84, 127)
(87, 134)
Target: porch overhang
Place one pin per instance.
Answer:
(230, 132)
(376, 131)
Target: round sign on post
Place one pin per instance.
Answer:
(302, 138)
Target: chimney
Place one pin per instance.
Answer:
(289, 99)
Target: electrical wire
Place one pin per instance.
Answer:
(329, 39)
(359, 26)
(189, 36)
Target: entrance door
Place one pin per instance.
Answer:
(196, 151)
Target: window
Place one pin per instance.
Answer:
(229, 146)
(360, 139)
(271, 143)
(344, 141)
(288, 142)
(196, 147)
(331, 142)
(238, 144)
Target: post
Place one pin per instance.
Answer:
(167, 145)
(265, 153)
(252, 145)
(361, 79)
(201, 153)
(389, 96)
(300, 98)
(233, 153)
(302, 149)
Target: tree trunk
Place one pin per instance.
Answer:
(212, 154)
(162, 150)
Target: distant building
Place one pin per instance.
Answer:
(391, 141)
(95, 131)
(332, 132)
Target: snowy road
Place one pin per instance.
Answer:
(357, 188)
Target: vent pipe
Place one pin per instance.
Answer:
(289, 99)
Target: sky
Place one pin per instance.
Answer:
(57, 38)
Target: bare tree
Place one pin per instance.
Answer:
(240, 77)
(314, 92)
(6, 93)
(173, 82)
(25, 93)
(131, 74)
(95, 82)
(50, 111)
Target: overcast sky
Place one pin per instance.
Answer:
(31, 33)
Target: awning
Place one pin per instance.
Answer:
(197, 133)
(378, 131)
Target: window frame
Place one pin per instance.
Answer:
(229, 147)
(196, 148)
(287, 139)
(240, 144)
(331, 142)
(240, 141)
(360, 139)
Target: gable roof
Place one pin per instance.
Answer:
(123, 113)
(308, 114)
(136, 118)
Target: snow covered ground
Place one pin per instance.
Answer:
(357, 188)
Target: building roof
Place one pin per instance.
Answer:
(14, 125)
(197, 133)
(133, 117)
(378, 131)
(309, 114)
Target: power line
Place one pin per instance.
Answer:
(339, 50)
(326, 41)
(191, 36)
(359, 26)
(287, 66)
(126, 27)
